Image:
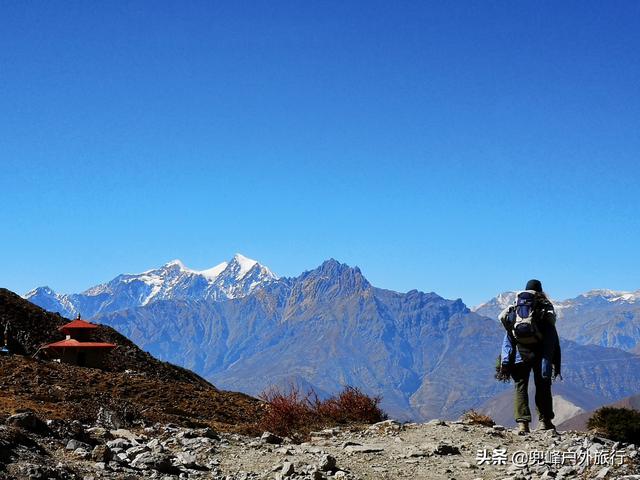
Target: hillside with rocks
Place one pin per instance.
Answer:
(327, 328)
(143, 418)
(133, 386)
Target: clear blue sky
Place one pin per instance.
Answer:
(457, 147)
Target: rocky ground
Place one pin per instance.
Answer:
(31, 448)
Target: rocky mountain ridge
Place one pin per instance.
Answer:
(601, 317)
(60, 421)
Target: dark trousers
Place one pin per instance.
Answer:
(544, 402)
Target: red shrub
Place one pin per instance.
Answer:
(294, 413)
(287, 413)
(351, 406)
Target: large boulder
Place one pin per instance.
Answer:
(161, 462)
(26, 421)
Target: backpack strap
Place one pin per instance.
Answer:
(504, 319)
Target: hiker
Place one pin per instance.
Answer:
(531, 343)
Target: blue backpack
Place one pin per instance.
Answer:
(521, 320)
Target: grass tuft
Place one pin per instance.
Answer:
(476, 418)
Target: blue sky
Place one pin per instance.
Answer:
(456, 147)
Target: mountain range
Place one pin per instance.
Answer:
(172, 281)
(244, 328)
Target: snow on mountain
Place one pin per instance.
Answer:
(611, 296)
(494, 306)
(213, 272)
(172, 281)
(244, 263)
(608, 318)
(46, 298)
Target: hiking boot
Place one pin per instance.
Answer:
(523, 427)
(546, 425)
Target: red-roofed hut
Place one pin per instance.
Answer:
(78, 329)
(75, 350)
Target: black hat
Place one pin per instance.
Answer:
(535, 285)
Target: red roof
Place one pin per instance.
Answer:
(71, 343)
(76, 325)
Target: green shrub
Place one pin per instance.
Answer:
(619, 424)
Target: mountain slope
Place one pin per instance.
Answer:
(233, 279)
(579, 422)
(329, 327)
(568, 401)
(602, 317)
(240, 326)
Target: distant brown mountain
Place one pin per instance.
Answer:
(568, 401)
(579, 422)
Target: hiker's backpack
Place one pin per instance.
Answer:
(521, 320)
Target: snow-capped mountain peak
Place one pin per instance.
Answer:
(40, 291)
(239, 267)
(175, 263)
(245, 264)
(593, 299)
(213, 272)
(172, 281)
(494, 306)
(613, 295)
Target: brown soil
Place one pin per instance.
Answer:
(62, 391)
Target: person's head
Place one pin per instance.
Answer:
(535, 285)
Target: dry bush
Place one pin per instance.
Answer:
(293, 413)
(477, 418)
(287, 412)
(351, 406)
